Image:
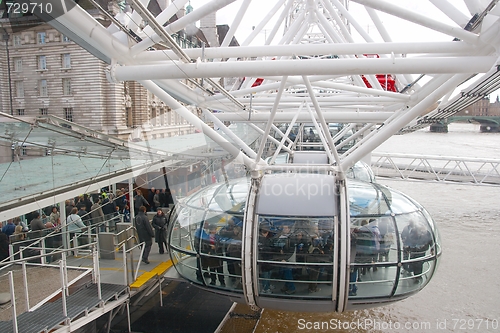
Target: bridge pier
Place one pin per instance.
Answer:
(438, 128)
(489, 128)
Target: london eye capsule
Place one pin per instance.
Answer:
(304, 242)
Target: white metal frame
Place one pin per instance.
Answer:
(309, 29)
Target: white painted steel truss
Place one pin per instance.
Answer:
(437, 168)
(319, 63)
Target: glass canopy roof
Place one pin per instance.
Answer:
(65, 156)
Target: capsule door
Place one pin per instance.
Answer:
(296, 239)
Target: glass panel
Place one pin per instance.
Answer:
(224, 245)
(361, 171)
(212, 264)
(41, 38)
(374, 240)
(417, 242)
(400, 203)
(230, 239)
(181, 237)
(365, 236)
(186, 265)
(434, 229)
(365, 199)
(378, 282)
(410, 283)
(216, 237)
(294, 258)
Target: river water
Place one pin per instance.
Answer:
(464, 294)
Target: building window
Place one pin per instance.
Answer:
(18, 64)
(65, 39)
(66, 60)
(66, 86)
(153, 117)
(16, 40)
(42, 62)
(162, 117)
(68, 114)
(129, 117)
(19, 89)
(44, 111)
(20, 112)
(43, 88)
(40, 38)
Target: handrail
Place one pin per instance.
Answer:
(125, 230)
(64, 280)
(15, 261)
(125, 241)
(38, 244)
(55, 233)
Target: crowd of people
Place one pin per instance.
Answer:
(301, 251)
(291, 251)
(82, 212)
(281, 245)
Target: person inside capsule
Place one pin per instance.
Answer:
(265, 254)
(302, 257)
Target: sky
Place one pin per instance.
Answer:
(399, 30)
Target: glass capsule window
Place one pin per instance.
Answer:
(295, 256)
(394, 243)
(205, 237)
(393, 247)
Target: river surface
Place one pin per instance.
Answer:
(464, 294)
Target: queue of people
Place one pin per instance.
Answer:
(81, 212)
(84, 212)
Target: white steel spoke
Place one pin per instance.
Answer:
(345, 58)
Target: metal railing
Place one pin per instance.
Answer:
(437, 168)
(63, 267)
(43, 246)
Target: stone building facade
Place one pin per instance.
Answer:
(51, 75)
(483, 107)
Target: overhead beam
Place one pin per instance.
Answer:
(179, 70)
(312, 50)
(341, 117)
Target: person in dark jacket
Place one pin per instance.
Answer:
(83, 214)
(160, 225)
(151, 194)
(213, 248)
(4, 246)
(145, 232)
(36, 224)
(139, 201)
(9, 228)
(163, 198)
(265, 253)
(108, 206)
